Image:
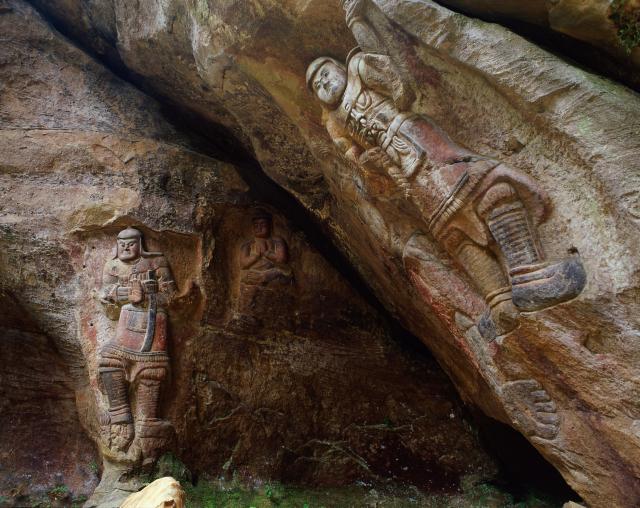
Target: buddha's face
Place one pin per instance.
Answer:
(128, 249)
(262, 228)
(329, 83)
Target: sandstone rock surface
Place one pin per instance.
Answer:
(610, 25)
(314, 388)
(39, 425)
(495, 93)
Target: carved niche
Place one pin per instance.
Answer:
(133, 364)
(265, 274)
(481, 211)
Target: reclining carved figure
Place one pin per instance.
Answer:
(483, 212)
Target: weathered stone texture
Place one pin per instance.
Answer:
(493, 92)
(39, 424)
(313, 388)
(610, 25)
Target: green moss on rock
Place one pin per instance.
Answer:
(626, 18)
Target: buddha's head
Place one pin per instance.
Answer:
(262, 222)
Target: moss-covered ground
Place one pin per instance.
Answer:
(233, 495)
(217, 493)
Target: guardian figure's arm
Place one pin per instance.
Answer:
(375, 67)
(166, 286)
(343, 141)
(112, 292)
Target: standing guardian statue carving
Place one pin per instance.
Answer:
(134, 363)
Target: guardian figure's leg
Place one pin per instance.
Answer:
(535, 283)
(115, 386)
(152, 432)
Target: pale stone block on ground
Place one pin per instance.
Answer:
(162, 493)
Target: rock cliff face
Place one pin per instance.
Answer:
(609, 25)
(566, 377)
(306, 383)
(600, 34)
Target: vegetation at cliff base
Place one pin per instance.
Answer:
(627, 21)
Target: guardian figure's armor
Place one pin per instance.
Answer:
(483, 212)
(135, 362)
